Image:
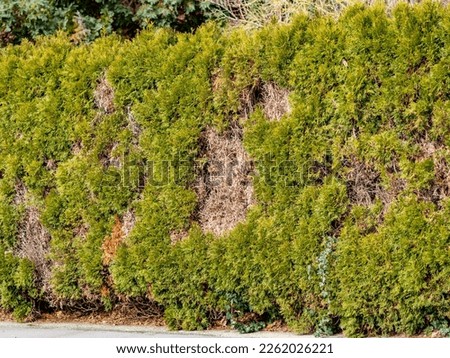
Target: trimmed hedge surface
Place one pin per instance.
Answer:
(350, 230)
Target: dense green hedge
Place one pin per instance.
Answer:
(351, 226)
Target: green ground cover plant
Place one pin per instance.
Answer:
(109, 168)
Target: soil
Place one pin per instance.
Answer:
(113, 318)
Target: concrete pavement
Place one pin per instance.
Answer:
(70, 330)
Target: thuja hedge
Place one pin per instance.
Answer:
(351, 226)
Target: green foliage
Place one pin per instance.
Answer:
(389, 288)
(31, 18)
(86, 20)
(177, 14)
(17, 290)
(89, 19)
(351, 226)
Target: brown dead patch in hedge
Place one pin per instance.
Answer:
(439, 187)
(177, 236)
(249, 97)
(133, 125)
(121, 230)
(33, 239)
(224, 184)
(104, 96)
(110, 158)
(275, 101)
(112, 242)
(364, 184)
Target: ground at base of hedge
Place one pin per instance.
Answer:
(115, 318)
(121, 318)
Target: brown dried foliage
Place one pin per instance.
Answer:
(128, 222)
(364, 184)
(109, 158)
(275, 101)
(120, 232)
(439, 188)
(104, 96)
(77, 147)
(112, 242)
(33, 240)
(126, 311)
(364, 181)
(177, 236)
(248, 99)
(139, 308)
(224, 185)
(133, 125)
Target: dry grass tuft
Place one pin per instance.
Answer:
(104, 96)
(33, 240)
(275, 101)
(224, 185)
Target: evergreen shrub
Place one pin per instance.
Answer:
(349, 229)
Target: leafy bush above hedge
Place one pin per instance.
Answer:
(105, 154)
(89, 19)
